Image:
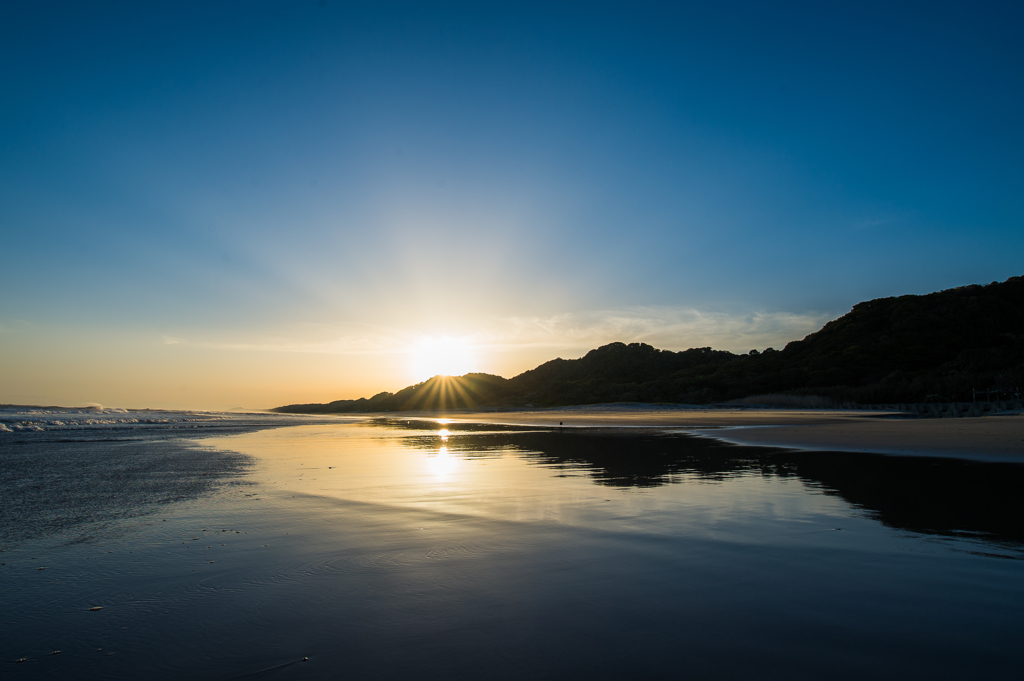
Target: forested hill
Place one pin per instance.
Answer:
(935, 347)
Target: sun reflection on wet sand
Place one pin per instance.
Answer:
(442, 464)
(430, 469)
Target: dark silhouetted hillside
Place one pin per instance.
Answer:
(440, 392)
(935, 347)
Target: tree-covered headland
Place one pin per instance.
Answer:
(939, 347)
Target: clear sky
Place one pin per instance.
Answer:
(247, 204)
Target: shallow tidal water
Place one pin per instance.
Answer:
(393, 549)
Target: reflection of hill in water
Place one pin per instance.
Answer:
(926, 495)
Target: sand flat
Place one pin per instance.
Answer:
(996, 437)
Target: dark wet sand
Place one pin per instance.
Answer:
(73, 488)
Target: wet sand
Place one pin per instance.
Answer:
(996, 438)
(390, 548)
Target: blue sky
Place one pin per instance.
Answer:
(221, 204)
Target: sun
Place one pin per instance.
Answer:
(446, 356)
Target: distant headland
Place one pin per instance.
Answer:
(961, 344)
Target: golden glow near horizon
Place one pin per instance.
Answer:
(444, 356)
(221, 370)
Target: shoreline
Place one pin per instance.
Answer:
(996, 438)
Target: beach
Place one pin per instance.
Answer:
(444, 546)
(998, 437)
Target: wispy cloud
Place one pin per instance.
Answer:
(662, 327)
(889, 220)
(354, 339)
(15, 326)
(668, 328)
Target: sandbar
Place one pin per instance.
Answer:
(995, 438)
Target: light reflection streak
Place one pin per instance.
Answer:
(442, 464)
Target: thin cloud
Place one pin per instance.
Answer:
(16, 326)
(666, 328)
